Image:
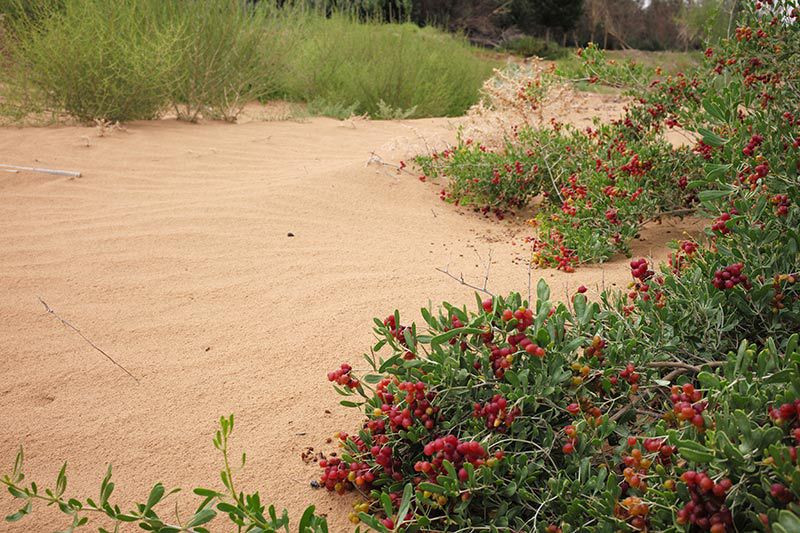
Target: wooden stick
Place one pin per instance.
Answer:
(93, 345)
(69, 173)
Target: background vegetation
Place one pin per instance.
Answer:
(127, 60)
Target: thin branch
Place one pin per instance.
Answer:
(375, 158)
(662, 214)
(651, 414)
(530, 267)
(684, 366)
(460, 279)
(93, 345)
(619, 414)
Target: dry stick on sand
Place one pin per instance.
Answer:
(93, 345)
(375, 158)
(70, 173)
(460, 277)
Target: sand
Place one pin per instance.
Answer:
(172, 253)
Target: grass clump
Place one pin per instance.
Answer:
(381, 67)
(226, 56)
(92, 60)
(529, 46)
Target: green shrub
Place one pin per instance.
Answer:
(529, 46)
(118, 61)
(227, 56)
(672, 406)
(362, 64)
(599, 184)
(94, 59)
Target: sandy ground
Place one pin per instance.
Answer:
(172, 254)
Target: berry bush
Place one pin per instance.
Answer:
(599, 185)
(672, 406)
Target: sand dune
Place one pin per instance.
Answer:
(172, 254)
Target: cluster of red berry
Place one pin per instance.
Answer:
(781, 493)
(636, 468)
(679, 259)
(612, 216)
(779, 295)
(631, 376)
(417, 406)
(399, 333)
(501, 358)
(720, 224)
(524, 343)
(634, 167)
(640, 270)
(730, 276)
(706, 151)
(665, 451)
(551, 250)
(754, 142)
(787, 413)
(592, 413)
(634, 511)
(383, 457)
(595, 349)
(495, 411)
(687, 405)
(340, 477)
(342, 377)
(572, 436)
(707, 510)
(457, 452)
(781, 203)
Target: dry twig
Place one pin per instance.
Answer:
(93, 345)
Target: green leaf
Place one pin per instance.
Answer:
(386, 501)
(446, 336)
(230, 509)
(372, 522)
(202, 517)
(405, 503)
(431, 487)
(19, 514)
(711, 195)
(61, 481)
(206, 492)
(542, 290)
(789, 520)
(694, 451)
(155, 496)
(711, 138)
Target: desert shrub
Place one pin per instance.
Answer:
(601, 184)
(672, 406)
(529, 46)
(15, 10)
(591, 64)
(69, 61)
(244, 511)
(227, 56)
(401, 65)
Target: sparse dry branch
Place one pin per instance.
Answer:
(93, 345)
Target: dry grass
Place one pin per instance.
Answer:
(521, 94)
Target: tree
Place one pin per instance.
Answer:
(561, 14)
